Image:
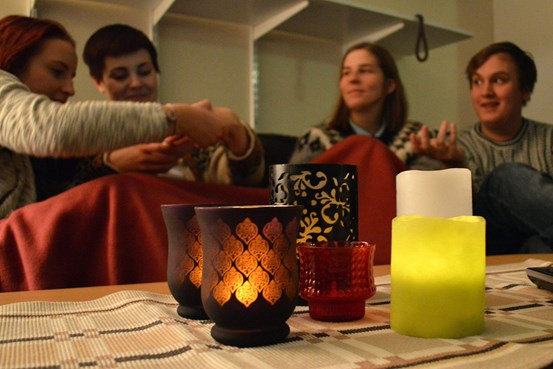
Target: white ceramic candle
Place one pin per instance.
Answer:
(443, 193)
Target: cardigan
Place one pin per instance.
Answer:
(33, 125)
(320, 138)
(52, 130)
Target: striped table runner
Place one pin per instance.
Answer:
(137, 329)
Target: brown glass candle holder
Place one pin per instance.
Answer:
(185, 259)
(250, 271)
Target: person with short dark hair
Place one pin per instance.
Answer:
(116, 40)
(510, 156)
(37, 66)
(123, 65)
(109, 230)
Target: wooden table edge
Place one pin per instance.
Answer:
(90, 293)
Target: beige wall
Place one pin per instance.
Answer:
(297, 77)
(437, 89)
(82, 18)
(530, 27)
(200, 60)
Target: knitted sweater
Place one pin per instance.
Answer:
(532, 146)
(32, 124)
(320, 138)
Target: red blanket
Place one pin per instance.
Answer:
(377, 168)
(110, 231)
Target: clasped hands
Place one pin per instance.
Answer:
(442, 147)
(205, 126)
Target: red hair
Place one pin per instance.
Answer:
(22, 37)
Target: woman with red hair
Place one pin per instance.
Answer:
(109, 230)
(37, 66)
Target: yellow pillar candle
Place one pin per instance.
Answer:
(438, 276)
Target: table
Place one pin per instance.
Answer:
(136, 326)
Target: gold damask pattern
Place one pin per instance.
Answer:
(327, 202)
(250, 263)
(192, 263)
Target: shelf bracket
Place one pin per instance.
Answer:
(160, 9)
(274, 21)
(31, 11)
(378, 35)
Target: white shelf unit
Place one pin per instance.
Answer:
(342, 22)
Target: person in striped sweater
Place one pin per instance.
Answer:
(123, 65)
(510, 156)
(37, 66)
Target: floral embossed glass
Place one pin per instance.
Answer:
(336, 278)
(328, 194)
(184, 261)
(250, 271)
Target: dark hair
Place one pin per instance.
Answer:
(115, 40)
(526, 68)
(394, 111)
(21, 38)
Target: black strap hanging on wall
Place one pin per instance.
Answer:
(422, 55)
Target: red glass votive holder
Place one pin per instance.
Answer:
(336, 278)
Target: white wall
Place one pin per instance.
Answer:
(528, 24)
(82, 18)
(478, 17)
(298, 81)
(303, 90)
(200, 60)
(431, 86)
(298, 77)
(21, 7)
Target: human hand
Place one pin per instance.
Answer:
(205, 126)
(178, 145)
(152, 158)
(235, 134)
(443, 147)
(199, 123)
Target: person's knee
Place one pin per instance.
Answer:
(508, 173)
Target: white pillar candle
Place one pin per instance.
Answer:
(443, 193)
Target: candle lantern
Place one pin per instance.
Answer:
(184, 261)
(438, 276)
(328, 194)
(438, 256)
(250, 272)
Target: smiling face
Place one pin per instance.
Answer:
(497, 97)
(51, 71)
(129, 77)
(363, 85)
